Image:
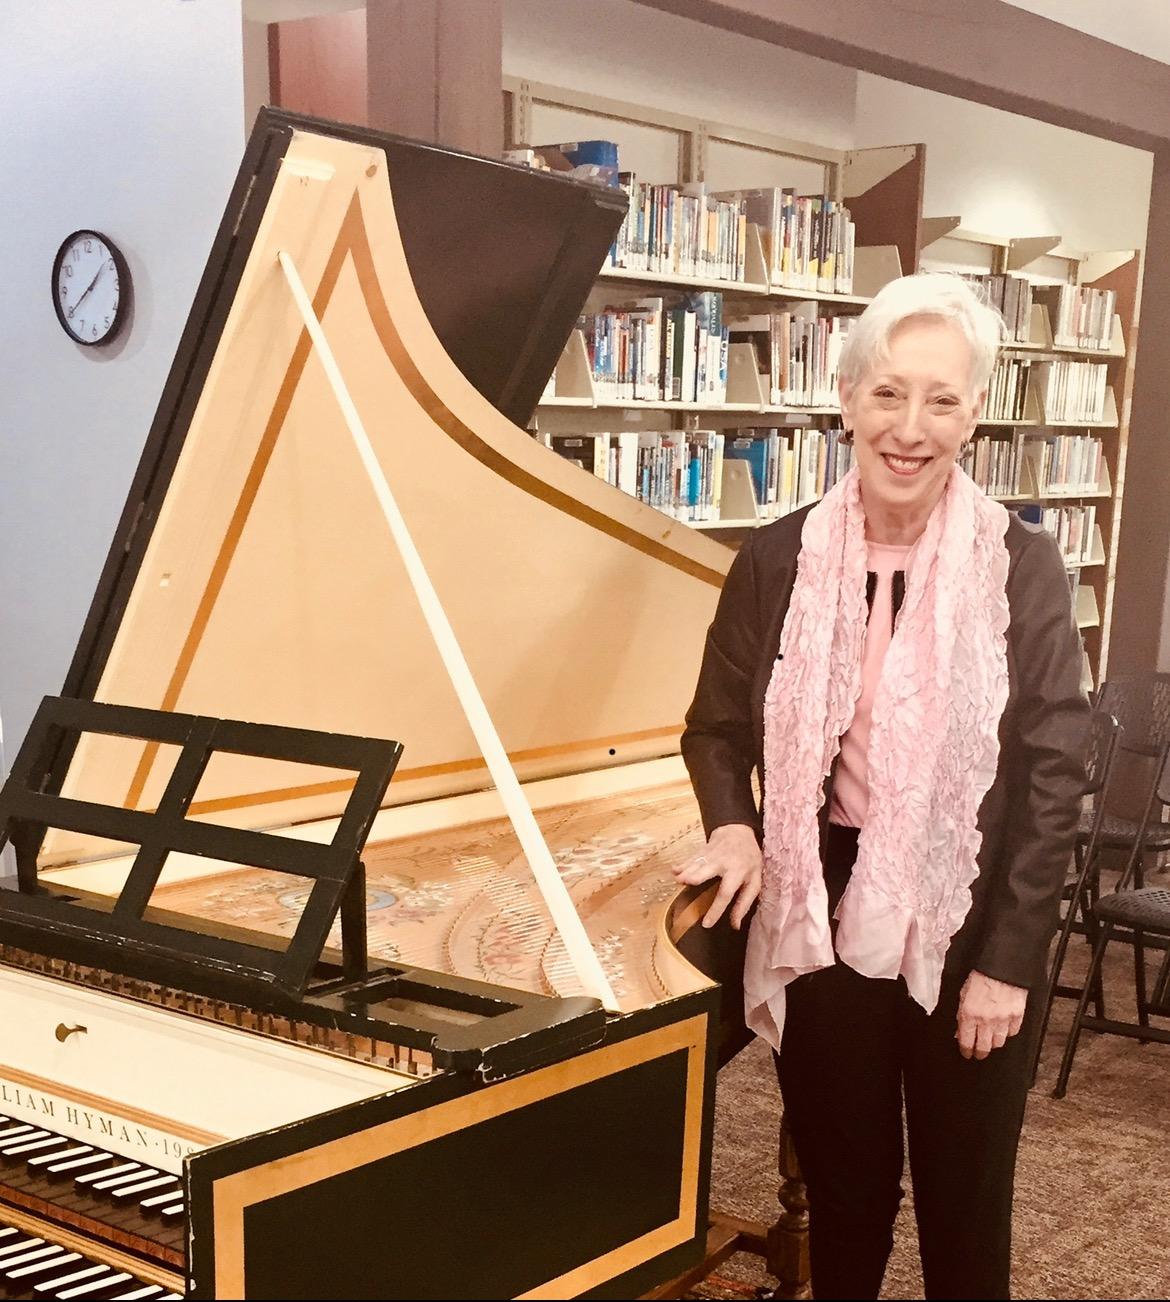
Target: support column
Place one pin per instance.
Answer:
(434, 70)
(1140, 637)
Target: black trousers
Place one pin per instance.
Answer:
(855, 1049)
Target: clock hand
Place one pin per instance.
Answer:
(88, 287)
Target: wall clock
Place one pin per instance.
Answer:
(91, 287)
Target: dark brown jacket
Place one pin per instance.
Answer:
(1029, 816)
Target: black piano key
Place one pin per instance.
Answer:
(6, 1232)
(112, 1181)
(89, 1177)
(18, 1141)
(11, 1247)
(19, 1134)
(158, 1200)
(50, 1287)
(45, 1252)
(91, 1288)
(27, 1274)
(59, 1166)
(43, 1145)
(156, 1182)
(43, 1159)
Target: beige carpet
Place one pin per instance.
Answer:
(1092, 1215)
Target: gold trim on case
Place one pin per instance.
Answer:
(232, 1195)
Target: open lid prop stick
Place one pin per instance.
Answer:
(548, 879)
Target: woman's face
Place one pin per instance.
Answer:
(911, 414)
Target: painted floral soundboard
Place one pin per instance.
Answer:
(462, 899)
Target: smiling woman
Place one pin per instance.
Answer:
(901, 665)
(912, 387)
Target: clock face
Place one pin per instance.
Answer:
(91, 285)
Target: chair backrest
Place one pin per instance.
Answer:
(1103, 742)
(1141, 704)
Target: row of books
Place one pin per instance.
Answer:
(1012, 295)
(652, 352)
(680, 230)
(809, 240)
(789, 467)
(1081, 316)
(1066, 463)
(798, 353)
(996, 465)
(1071, 391)
(1073, 527)
(1007, 390)
(680, 472)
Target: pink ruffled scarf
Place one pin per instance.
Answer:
(933, 750)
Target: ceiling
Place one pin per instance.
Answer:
(1139, 25)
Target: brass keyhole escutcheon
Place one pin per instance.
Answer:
(63, 1032)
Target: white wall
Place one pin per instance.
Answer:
(126, 117)
(1009, 175)
(622, 50)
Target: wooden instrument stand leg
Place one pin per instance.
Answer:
(783, 1245)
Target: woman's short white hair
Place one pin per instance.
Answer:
(926, 294)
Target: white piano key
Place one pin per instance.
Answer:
(21, 1129)
(90, 1176)
(41, 1267)
(93, 1286)
(141, 1186)
(6, 1232)
(48, 1287)
(19, 1133)
(13, 1145)
(54, 1142)
(77, 1163)
(43, 1159)
(139, 1294)
(34, 1254)
(18, 1246)
(159, 1200)
(176, 1209)
(112, 1183)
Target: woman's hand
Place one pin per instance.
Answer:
(990, 1013)
(733, 854)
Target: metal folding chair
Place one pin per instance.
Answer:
(1080, 891)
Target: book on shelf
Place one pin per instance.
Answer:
(1081, 316)
(1012, 295)
(798, 353)
(1007, 389)
(809, 240)
(789, 467)
(680, 230)
(996, 464)
(1065, 463)
(657, 350)
(680, 472)
(1073, 527)
(1071, 391)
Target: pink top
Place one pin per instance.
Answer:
(850, 801)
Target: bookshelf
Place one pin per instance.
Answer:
(1046, 262)
(1075, 396)
(881, 188)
